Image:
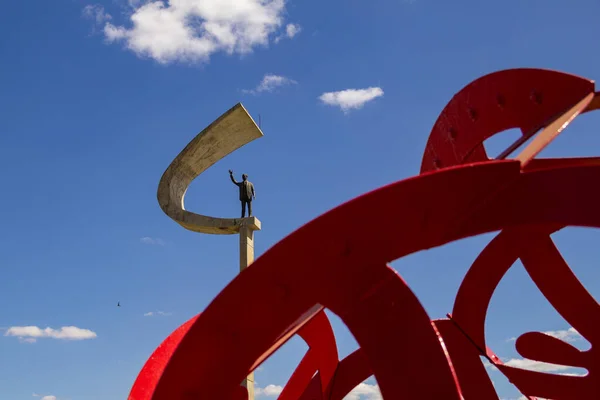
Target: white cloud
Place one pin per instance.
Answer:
(193, 30)
(49, 398)
(351, 98)
(271, 82)
(154, 241)
(269, 391)
(568, 335)
(153, 313)
(523, 398)
(535, 365)
(291, 30)
(96, 12)
(30, 334)
(364, 391)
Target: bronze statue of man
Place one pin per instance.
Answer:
(246, 193)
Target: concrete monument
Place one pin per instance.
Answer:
(229, 132)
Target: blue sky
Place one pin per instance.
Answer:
(93, 108)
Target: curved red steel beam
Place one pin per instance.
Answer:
(353, 282)
(519, 117)
(181, 377)
(542, 261)
(472, 376)
(524, 98)
(477, 288)
(555, 279)
(480, 282)
(209, 354)
(321, 358)
(151, 373)
(595, 103)
(349, 373)
(322, 354)
(470, 371)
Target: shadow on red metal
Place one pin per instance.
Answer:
(340, 263)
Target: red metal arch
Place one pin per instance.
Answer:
(527, 99)
(346, 272)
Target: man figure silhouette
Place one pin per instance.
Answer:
(246, 193)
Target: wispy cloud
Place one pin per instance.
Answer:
(351, 99)
(194, 30)
(96, 13)
(291, 30)
(535, 365)
(30, 334)
(157, 313)
(48, 397)
(567, 335)
(268, 391)
(152, 241)
(269, 83)
(364, 391)
(539, 366)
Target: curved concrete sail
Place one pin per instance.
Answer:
(229, 132)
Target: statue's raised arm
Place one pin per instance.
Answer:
(233, 179)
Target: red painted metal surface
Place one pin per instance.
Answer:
(339, 262)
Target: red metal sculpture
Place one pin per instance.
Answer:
(459, 193)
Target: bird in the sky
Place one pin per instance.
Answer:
(118, 304)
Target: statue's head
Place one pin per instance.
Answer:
(245, 177)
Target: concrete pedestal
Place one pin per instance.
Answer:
(247, 228)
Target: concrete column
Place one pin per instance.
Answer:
(247, 228)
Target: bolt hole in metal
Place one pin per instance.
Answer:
(501, 101)
(452, 133)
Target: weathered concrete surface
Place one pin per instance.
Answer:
(229, 132)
